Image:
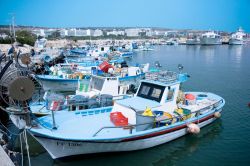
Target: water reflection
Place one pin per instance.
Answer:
(235, 52)
(208, 52)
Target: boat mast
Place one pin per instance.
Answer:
(13, 26)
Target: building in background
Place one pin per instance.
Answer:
(116, 33)
(132, 32)
(98, 32)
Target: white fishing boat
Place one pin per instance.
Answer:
(99, 92)
(64, 77)
(146, 47)
(237, 38)
(63, 80)
(193, 41)
(210, 38)
(158, 113)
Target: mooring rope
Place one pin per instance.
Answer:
(27, 146)
(21, 145)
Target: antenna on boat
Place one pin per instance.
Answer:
(180, 67)
(157, 64)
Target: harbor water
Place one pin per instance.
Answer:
(223, 70)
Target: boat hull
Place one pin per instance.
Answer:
(210, 41)
(58, 84)
(58, 148)
(236, 42)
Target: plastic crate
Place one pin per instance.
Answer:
(118, 119)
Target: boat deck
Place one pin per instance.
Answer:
(74, 125)
(95, 124)
(201, 102)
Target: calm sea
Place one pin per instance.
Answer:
(224, 70)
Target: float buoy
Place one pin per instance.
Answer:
(217, 114)
(193, 128)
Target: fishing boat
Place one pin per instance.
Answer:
(237, 38)
(158, 113)
(172, 41)
(146, 47)
(193, 41)
(99, 92)
(210, 38)
(65, 77)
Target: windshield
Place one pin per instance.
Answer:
(151, 91)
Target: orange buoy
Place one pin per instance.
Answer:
(189, 96)
(217, 114)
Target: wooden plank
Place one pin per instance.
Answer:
(4, 158)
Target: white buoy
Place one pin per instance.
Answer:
(111, 70)
(193, 128)
(217, 114)
(18, 121)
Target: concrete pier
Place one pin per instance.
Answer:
(4, 158)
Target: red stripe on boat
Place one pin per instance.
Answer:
(166, 131)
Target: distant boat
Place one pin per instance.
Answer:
(126, 54)
(192, 41)
(146, 47)
(210, 38)
(41, 43)
(237, 38)
(172, 42)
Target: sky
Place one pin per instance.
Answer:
(225, 15)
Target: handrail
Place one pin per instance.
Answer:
(163, 76)
(197, 113)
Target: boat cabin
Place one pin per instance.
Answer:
(101, 85)
(156, 95)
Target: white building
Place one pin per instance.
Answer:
(171, 33)
(64, 32)
(3, 35)
(72, 32)
(116, 33)
(132, 32)
(98, 32)
(39, 32)
(90, 32)
(81, 32)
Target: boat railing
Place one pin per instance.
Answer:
(162, 76)
(157, 122)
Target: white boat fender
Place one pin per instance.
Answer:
(18, 121)
(193, 128)
(217, 114)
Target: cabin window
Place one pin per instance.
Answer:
(97, 83)
(145, 90)
(156, 93)
(170, 95)
(151, 91)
